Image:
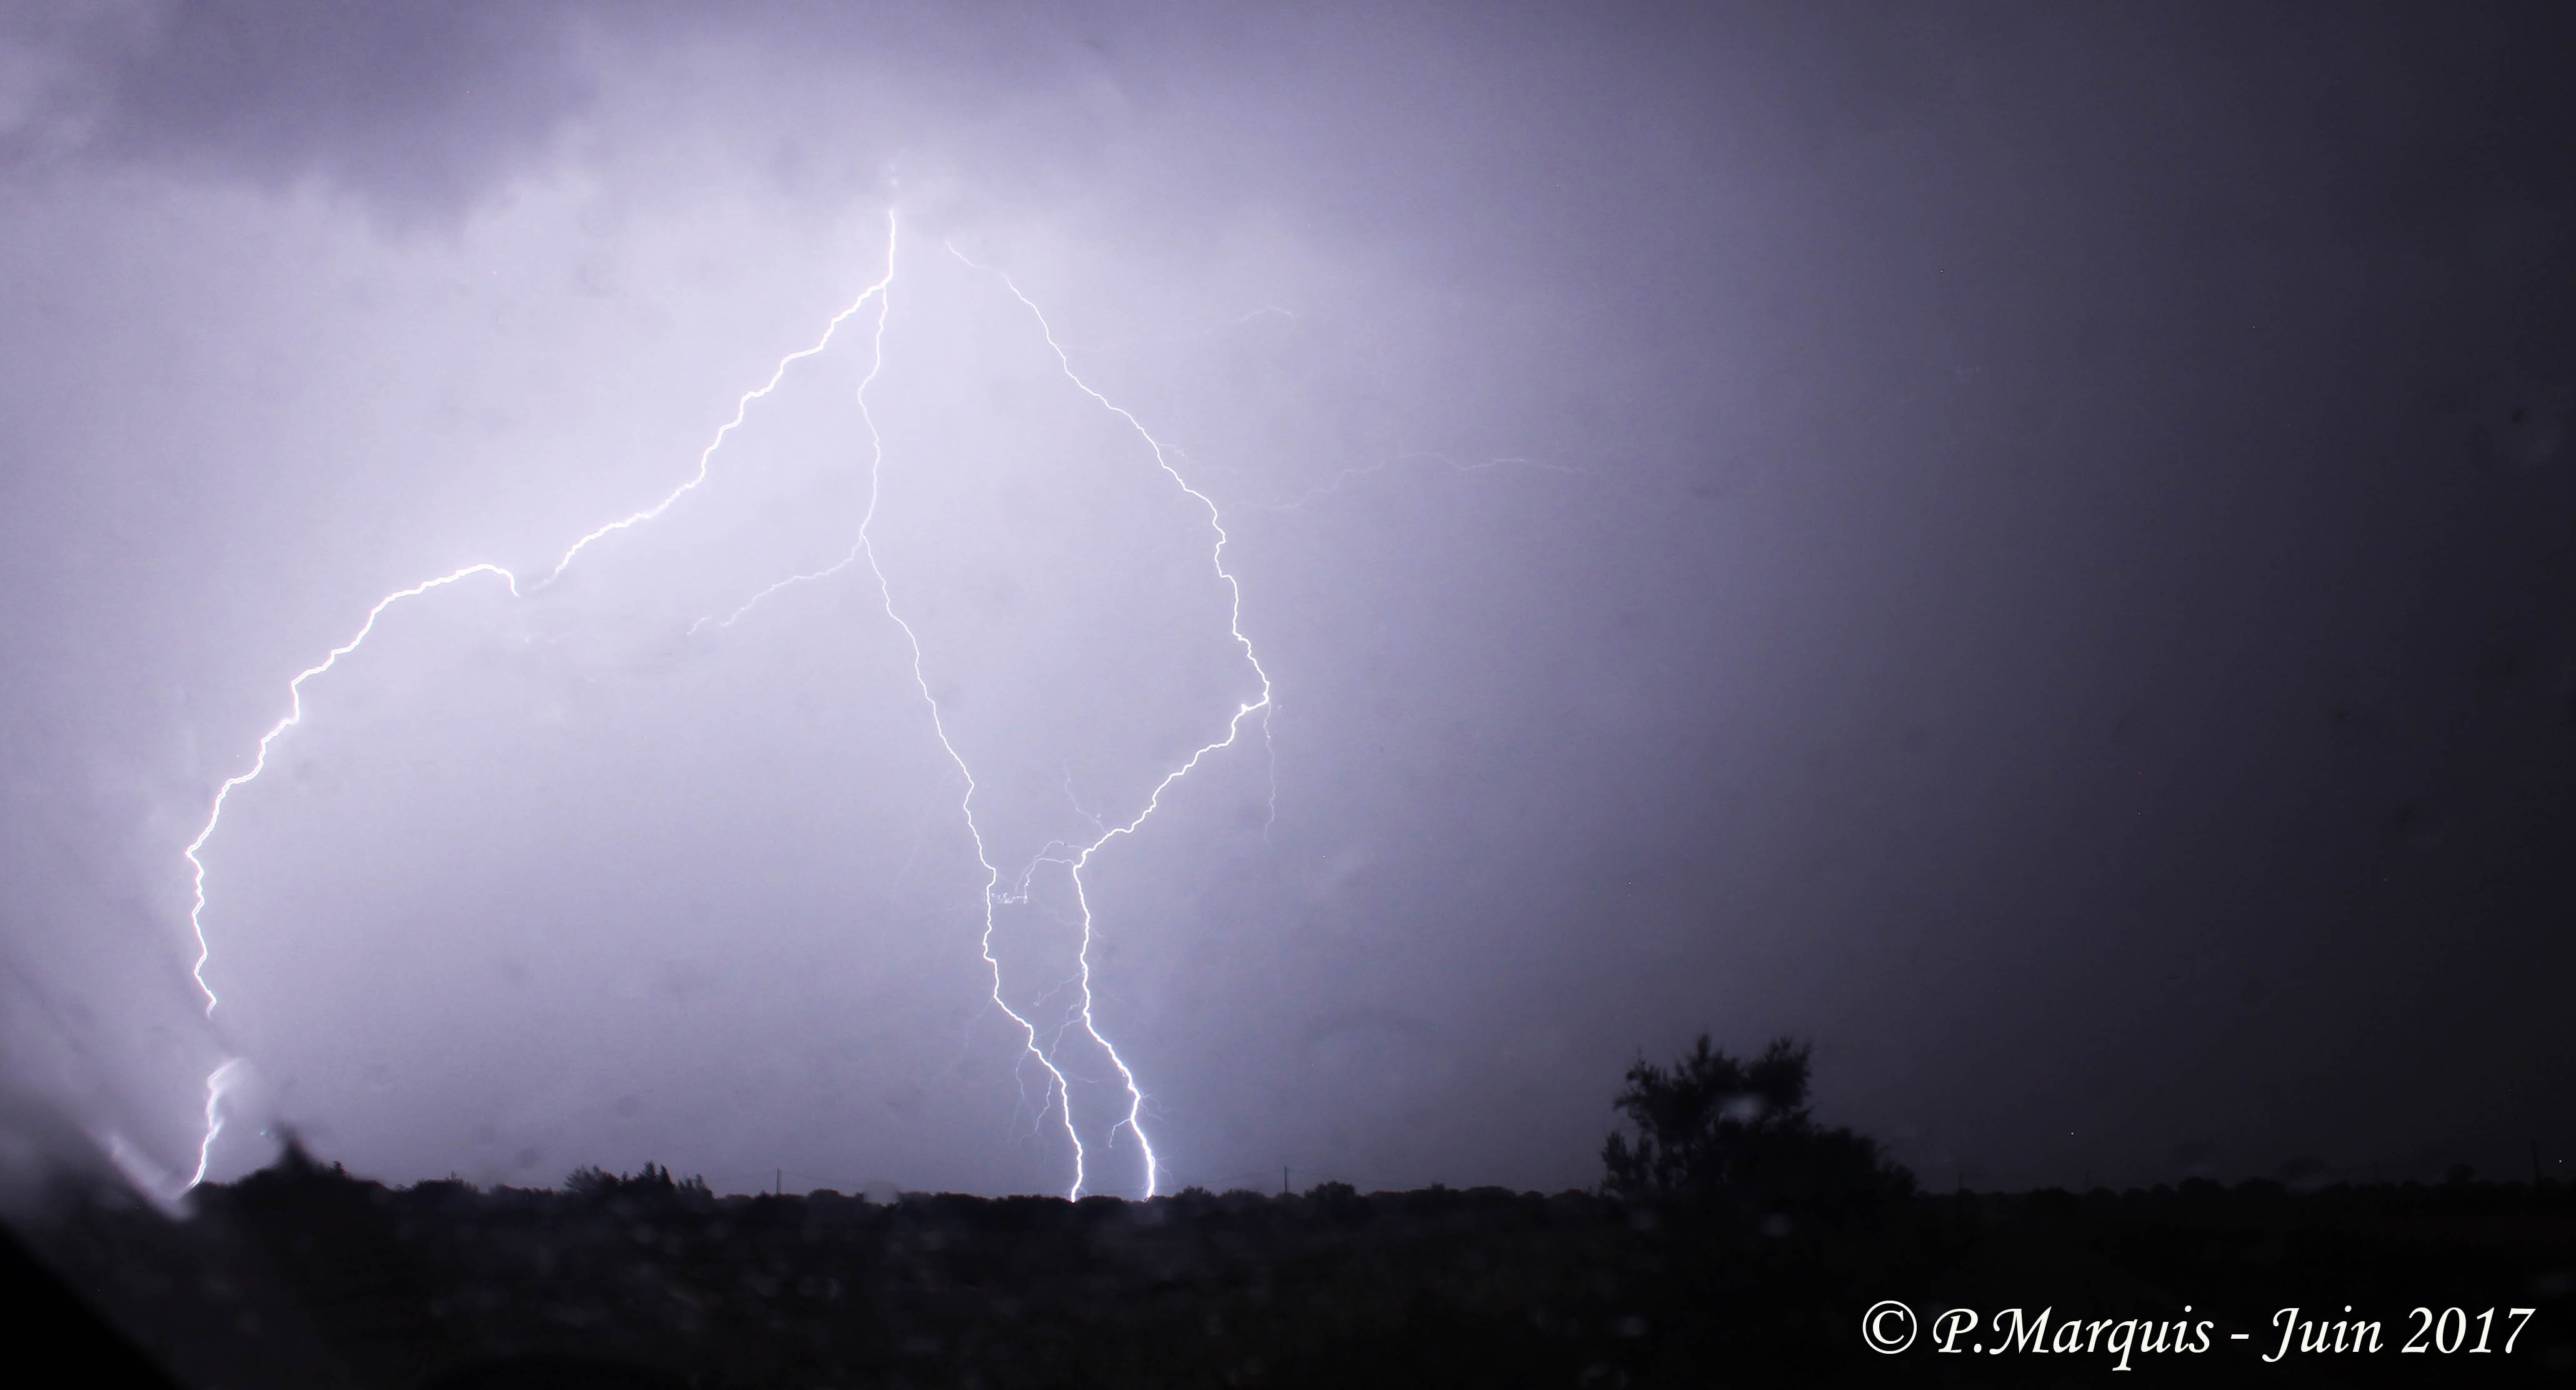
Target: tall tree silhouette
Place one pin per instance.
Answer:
(1715, 1129)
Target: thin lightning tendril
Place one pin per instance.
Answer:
(220, 1079)
(865, 548)
(1075, 858)
(1080, 859)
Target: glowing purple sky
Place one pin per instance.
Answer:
(2031, 548)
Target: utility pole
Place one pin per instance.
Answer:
(1283, 1179)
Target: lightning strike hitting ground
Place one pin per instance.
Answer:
(216, 1082)
(1059, 1087)
(1074, 858)
(1081, 857)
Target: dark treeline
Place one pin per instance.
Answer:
(1733, 1240)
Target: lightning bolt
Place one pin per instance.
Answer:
(217, 1081)
(995, 895)
(1074, 858)
(1081, 858)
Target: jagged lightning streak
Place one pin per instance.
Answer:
(1059, 1087)
(217, 1082)
(1074, 858)
(259, 764)
(863, 547)
(1081, 858)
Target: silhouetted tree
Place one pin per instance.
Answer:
(1712, 1128)
(654, 1183)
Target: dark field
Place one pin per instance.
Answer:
(302, 1275)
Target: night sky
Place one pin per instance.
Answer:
(2033, 546)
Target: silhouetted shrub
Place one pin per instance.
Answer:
(1737, 1135)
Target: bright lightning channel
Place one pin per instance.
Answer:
(1080, 858)
(1075, 858)
(1059, 1086)
(221, 1078)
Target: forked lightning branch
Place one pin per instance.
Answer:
(1002, 884)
